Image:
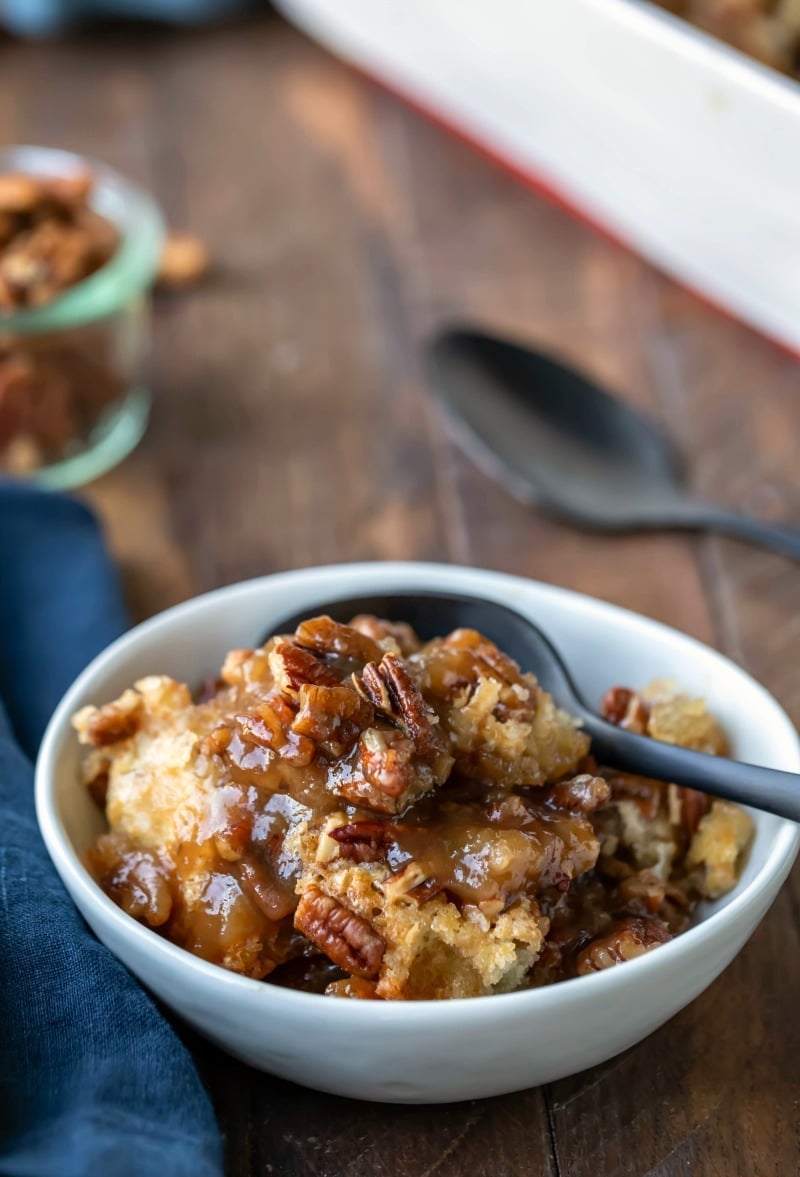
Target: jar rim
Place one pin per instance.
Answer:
(132, 211)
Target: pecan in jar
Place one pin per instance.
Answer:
(345, 938)
(52, 239)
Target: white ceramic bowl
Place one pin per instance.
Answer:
(425, 1051)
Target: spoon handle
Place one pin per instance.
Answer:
(706, 516)
(748, 784)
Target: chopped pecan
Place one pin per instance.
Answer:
(327, 848)
(261, 726)
(270, 726)
(627, 939)
(345, 937)
(489, 654)
(391, 689)
(293, 667)
(615, 703)
(410, 882)
(645, 792)
(425, 891)
(640, 894)
(332, 716)
(234, 667)
(323, 635)
(362, 841)
(260, 883)
(352, 987)
(386, 759)
(626, 708)
(215, 743)
(232, 842)
(97, 780)
(135, 878)
(687, 807)
(581, 794)
(101, 726)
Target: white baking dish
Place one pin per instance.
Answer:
(683, 148)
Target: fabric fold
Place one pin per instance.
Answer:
(93, 1080)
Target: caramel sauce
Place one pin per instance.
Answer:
(229, 892)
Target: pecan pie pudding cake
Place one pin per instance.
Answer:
(351, 811)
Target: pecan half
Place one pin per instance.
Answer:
(391, 689)
(627, 939)
(345, 938)
(293, 667)
(362, 841)
(323, 635)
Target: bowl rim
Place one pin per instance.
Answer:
(149, 944)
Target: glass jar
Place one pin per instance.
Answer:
(82, 359)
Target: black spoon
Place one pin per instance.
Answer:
(558, 440)
(434, 614)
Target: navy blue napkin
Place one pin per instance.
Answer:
(93, 1081)
(42, 18)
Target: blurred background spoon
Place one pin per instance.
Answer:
(558, 440)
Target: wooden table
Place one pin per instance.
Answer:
(293, 427)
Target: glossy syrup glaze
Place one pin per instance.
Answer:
(387, 782)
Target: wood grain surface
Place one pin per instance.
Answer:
(292, 426)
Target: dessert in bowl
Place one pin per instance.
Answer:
(418, 1049)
